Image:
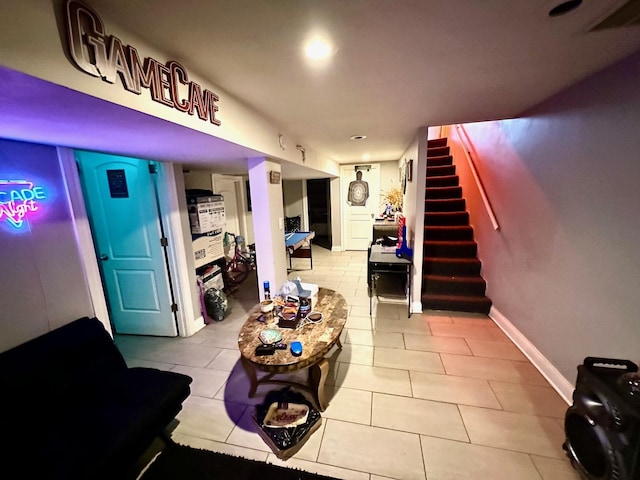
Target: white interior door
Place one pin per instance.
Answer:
(122, 206)
(360, 198)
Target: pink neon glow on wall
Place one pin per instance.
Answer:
(19, 200)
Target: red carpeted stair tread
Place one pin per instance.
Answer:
(448, 232)
(445, 205)
(451, 266)
(457, 303)
(437, 151)
(454, 285)
(437, 142)
(443, 181)
(450, 248)
(440, 170)
(439, 160)
(442, 219)
(443, 192)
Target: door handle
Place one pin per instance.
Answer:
(104, 257)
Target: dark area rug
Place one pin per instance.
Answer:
(178, 462)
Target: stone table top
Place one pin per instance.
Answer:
(317, 339)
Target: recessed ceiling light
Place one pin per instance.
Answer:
(358, 137)
(564, 7)
(366, 156)
(317, 49)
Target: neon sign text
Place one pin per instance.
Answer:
(18, 200)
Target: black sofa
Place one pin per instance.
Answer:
(72, 409)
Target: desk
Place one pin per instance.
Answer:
(317, 340)
(297, 243)
(387, 263)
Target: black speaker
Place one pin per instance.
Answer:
(602, 426)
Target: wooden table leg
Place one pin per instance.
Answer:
(318, 373)
(253, 376)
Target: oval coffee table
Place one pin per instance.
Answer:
(317, 339)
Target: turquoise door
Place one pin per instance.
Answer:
(122, 207)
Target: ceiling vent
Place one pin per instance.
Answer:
(628, 14)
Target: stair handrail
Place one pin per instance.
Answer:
(474, 171)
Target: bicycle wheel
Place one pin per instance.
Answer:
(237, 271)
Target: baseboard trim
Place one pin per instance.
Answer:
(416, 307)
(336, 249)
(194, 327)
(560, 384)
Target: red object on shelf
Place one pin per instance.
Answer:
(402, 221)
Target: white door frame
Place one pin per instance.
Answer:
(181, 276)
(241, 201)
(374, 196)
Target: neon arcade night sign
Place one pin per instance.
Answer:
(19, 200)
(107, 58)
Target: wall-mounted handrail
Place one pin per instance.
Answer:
(467, 153)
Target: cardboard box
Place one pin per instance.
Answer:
(207, 249)
(206, 214)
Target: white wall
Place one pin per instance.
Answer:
(43, 285)
(293, 200)
(413, 210)
(563, 180)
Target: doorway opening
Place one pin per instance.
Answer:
(319, 210)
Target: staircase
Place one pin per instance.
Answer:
(451, 270)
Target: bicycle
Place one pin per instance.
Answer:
(241, 263)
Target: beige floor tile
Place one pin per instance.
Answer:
(478, 319)
(358, 323)
(245, 433)
(429, 343)
(357, 300)
(359, 311)
(532, 399)
(375, 339)
(498, 335)
(447, 388)
(359, 354)
(407, 360)
(208, 418)
(206, 381)
(374, 379)
(441, 329)
(181, 353)
(418, 416)
(513, 431)
(495, 349)
(437, 316)
(220, 447)
(555, 469)
(413, 325)
(492, 369)
(222, 339)
(319, 468)
(137, 362)
(226, 360)
(378, 477)
(391, 310)
(348, 405)
(449, 460)
(371, 449)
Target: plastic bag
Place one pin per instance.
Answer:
(215, 303)
(287, 437)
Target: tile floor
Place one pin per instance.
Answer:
(437, 396)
